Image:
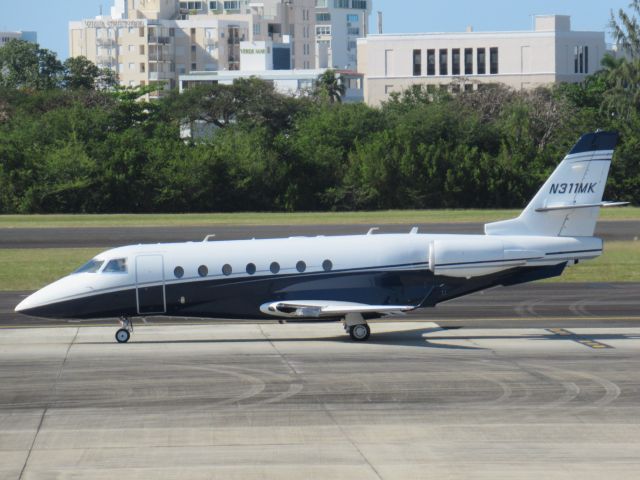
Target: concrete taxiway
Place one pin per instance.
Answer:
(302, 401)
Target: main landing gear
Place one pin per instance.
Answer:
(123, 335)
(358, 329)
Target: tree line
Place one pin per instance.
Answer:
(72, 141)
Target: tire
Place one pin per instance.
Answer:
(360, 333)
(122, 335)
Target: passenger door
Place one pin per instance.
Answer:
(150, 291)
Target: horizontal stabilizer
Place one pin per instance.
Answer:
(323, 308)
(553, 208)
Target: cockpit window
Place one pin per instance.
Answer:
(116, 266)
(92, 266)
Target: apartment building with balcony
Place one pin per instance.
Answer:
(551, 53)
(339, 24)
(151, 41)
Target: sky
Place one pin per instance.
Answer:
(50, 18)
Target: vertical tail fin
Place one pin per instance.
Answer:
(569, 202)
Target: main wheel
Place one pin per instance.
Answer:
(360, 332)
(123, 335)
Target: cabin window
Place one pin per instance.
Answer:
(251, 269)
(116, 266)
(92, 266)
(301, 266)
(203, 271)
(274, 267)
(327, 265)
(178, 272)
(227, 270)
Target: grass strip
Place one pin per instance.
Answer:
(30, 269)
(305, 218)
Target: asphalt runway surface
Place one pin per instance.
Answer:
(304, 402)
(112, 237)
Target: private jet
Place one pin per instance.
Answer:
(348, 279)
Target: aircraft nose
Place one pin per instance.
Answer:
(23, 305)
(46, 301)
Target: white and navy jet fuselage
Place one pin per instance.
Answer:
(348, 278)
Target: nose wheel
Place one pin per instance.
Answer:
(124, 334)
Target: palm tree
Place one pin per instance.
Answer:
(329, 86)
(622, 75)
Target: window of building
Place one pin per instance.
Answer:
(182, 69)
(132, 66)
(323, 30)
(172, 32)
(444, 62)
(194, 67)
(141, 49)
(141, 31)
(455, 61)
(257, 29)
(586, 59)
(323, 17)
(388, 89)
(468, 61)
(359, 4)
(213, 5)
(353, 18)
(353, 30)
(417, 63)
(431, 62)
(352, 45)
(232, 5)
(341, 3)
(143, 68)
(132, 49)
(493, 61)
(482, 61)
(468, 87)
(191, 5)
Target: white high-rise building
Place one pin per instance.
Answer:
(339, 24)
(150, 41)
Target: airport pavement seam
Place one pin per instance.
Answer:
(350, 440)
(46, 408)
(286, 361)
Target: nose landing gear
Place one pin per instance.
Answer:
(123, 335)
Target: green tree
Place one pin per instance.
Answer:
(80, 72)
(26, 65)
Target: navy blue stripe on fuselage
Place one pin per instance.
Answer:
(598, 250)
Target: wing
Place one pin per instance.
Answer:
(327, 308)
